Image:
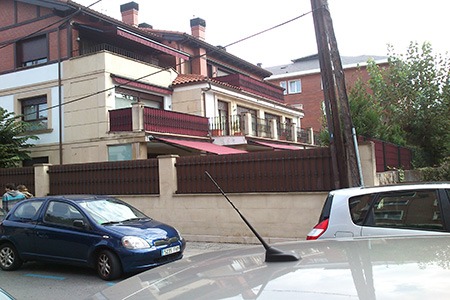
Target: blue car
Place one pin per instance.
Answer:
(100, 232)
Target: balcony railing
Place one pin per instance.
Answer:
(157, 120)
(252, 85)
(266, 128)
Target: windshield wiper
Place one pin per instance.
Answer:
(111, 223)
(135, 219)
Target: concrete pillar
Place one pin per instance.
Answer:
(293, 132)
(137, 116)
(41, 180)
(167, 175)
(274, 129)
(247, 130)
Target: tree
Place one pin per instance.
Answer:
(411, 97)
(13, 140)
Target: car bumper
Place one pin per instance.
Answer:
(138, 260)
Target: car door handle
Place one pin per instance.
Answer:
(41, 235)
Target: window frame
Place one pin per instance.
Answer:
(37, 101)
(37, 45)
(298, 88)
(283, 84)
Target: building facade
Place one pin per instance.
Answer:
(302, 83)
(95, 88)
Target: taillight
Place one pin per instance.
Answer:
(318, 230)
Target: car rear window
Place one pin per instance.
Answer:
(415, 209)
(325, 214)
(359, 207)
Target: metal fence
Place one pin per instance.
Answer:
(18, 176)
(277, 171)
(106, 178)
(389, 156)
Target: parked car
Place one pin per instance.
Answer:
(95, 231)
(386, 210)
(5, 296)
(414, 267)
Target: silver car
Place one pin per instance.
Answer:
(413, 267)
(386, 210)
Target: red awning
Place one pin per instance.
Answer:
(204, 146)
(278, 146)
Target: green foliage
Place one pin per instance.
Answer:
(441, 173)
(406, 102)
(13, 141)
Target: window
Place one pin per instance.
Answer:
(34, 112)
(27, 211)
(284, 86)
(120, 152)
(295, 86)
(125, 97)
(62, 214)
(414, 209)
(32, 51)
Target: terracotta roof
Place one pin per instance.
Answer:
(196, 78)
(189, 78)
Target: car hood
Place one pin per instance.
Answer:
(369, 269)
(149, 230)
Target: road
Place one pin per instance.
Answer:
(39, 281)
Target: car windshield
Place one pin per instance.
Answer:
(110, 211)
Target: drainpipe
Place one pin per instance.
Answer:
(60, 99)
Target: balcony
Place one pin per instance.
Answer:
(254, 86)
(248, 125)
(139, 118)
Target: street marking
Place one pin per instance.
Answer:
(45, 276)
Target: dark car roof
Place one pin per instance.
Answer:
(79, 197)
(377, 268)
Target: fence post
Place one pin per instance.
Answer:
(167, 175)
(41, 180)
(137, 116)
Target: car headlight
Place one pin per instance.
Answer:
(134, 242)
(179, 234)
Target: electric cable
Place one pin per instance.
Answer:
(171, 66)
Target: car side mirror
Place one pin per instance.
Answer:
(80, 224)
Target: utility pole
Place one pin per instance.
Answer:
(342, 144)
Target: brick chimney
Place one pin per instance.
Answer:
(130, 13)
(198, 26)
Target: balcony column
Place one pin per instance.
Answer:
(293, 132)
(247, 124)
(273, 129)
(137, 116)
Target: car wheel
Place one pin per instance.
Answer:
(9, 257)
(108, 265)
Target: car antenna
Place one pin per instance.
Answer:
(272, 254)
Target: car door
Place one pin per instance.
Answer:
(20, 226)
(57, 238)
(405, 212)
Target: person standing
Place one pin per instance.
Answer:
(23, 189)
(11, 196)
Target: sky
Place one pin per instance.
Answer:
(362, 27)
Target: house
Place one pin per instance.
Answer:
(99, 89)
(302, 83)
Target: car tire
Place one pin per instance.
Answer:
(108, 265)
(9, 257)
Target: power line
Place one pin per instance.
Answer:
(168, 67)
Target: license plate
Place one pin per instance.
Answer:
(170, 250)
